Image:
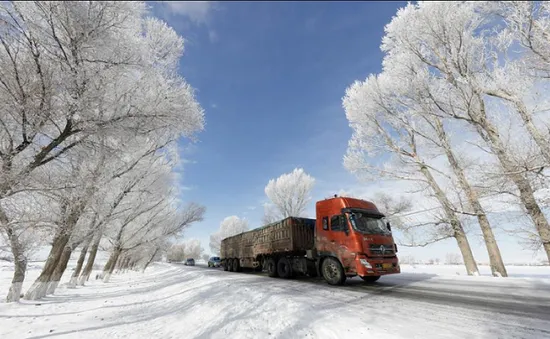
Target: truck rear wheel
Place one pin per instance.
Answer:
(333, 272)
(371, 279)
(284, 268)
(271, 267)
(226, 265)
(236, 265)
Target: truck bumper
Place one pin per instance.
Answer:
(374, 267)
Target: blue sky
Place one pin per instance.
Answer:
(270, 76)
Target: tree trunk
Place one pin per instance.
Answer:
(111, 264)
(20, 262)
(59, 269)
(458, 230)
(79, 264)
(495, 259)
(121, 263)
(526, 193)
(90, 263)
(540, 140)
(14, 293)
(40, 286)
(151, 259)
(125, 265)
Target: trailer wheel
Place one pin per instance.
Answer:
(236, 265)
(332, 271)
(230, 265)
(271, 267)
(371, 279)
(284, 268)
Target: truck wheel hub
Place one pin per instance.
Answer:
(331, 270)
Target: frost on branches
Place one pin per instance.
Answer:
(229, 226)
(451, 72)
(289, 195)
(190, 248)
(193, 249)
(84, 84)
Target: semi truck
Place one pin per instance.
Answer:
(349, 237)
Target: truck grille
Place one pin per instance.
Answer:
(382, 249)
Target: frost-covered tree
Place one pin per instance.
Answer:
(452, 48)
(70, 71)
(452, 259)
(229, 226)
(289, 195)
(176, 252)
(153, 219)
(409, 103)
(382, 125)
(193, 249)
(28, 220)
(392, 207)
(526, 25)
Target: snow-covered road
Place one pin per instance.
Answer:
(175, 301)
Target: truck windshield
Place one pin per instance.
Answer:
(368, 224)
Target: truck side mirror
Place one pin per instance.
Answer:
(388, 226)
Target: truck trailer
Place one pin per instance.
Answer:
(349, 237)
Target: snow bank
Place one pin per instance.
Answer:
(537, 272)
(176, 301)
(35, 265)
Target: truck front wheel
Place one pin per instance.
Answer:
(333, 272)
(271, 267)
(284, 268)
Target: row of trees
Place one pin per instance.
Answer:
(450, 259)
(188, 249)
(459, 77)
(91, 107)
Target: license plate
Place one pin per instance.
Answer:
(386, 266)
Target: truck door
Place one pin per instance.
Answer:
(337, 240)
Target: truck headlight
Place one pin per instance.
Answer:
(365, 263)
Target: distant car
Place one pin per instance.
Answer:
(214, 262)
(190, 262)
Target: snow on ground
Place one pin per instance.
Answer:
(35, 265)
(536, 272)
(176, 301)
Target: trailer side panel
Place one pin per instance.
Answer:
(288, 235)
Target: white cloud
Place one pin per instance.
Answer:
(214, 105)
(197, 11)
(252, 208)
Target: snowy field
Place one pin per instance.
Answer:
(531, 272)
(176, 301)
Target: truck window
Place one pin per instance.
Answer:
(337, 223)
(325, 223)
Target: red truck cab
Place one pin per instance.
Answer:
(358, 235)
